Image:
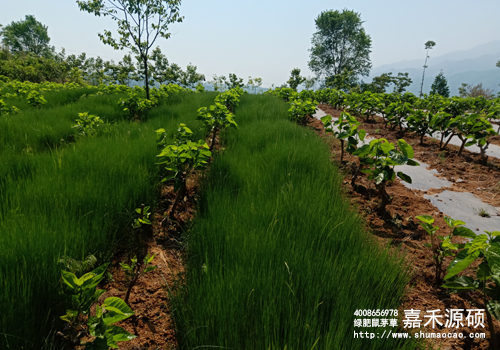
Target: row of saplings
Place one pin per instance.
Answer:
(377, 159)
(92, 324)
(467, 118)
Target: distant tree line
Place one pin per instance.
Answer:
(26, 55)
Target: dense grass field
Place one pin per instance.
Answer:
(70, 199)
(276, 259)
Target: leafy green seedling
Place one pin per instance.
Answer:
(90, 125)
(380, 157)
(143, 218)
(216, 117)
(136, 270)
(301, 109)
(84, 293)
(347, 129)
(442, 249)
(486, 249)
(35, 99)
(181, 158)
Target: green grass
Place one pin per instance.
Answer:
(72, 200)
(276, 259)
(53, 98)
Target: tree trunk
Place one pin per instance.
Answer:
(212, 144)
(341, 151)
(491, 326)
(462, 146)
(146, 76)
(446, 144)
(385, 198)
(178, 197)
(131, 284)
(441, 141)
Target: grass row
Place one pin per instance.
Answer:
(276, 259)
(72, 200)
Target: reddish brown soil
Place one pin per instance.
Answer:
(399, 228)
(152, 322)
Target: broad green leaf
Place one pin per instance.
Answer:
(404, 177)
(387, 147)
(464, 232)
(460, 283)
(70, 279)
(483, 271)
(405, 148)
(362, 134)
(326, 119)
(478, 244)
(461, 262)
(426, 218)
(118, 310)
(494, 308)
(493, 258)
(119, 334)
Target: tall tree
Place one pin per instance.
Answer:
(140, 23)
(440, 86)
(27, 35)
(340, 44)
(191, 76)
(428, 46)
(295, 79)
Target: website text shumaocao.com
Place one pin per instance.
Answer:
(449, 323)
(421, 335)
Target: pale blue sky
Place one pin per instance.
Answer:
(268, 38)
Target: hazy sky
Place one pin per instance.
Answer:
(268, 38)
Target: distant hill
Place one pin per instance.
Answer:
(473, 66)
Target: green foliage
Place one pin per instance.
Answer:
(440, 86)
(84, 293)
(142, 218)
(467, 90)
(35, 99)
(272, 197)
(200, 88)
(340, 43)
(380, 157)
(345, 81)
(76, 197)
(230, 99)
(28, 35)
(441, 249)
(295, 79)
(139, 24)
(484, 248)
(135, 106)
(345, 128)
(182, 157)
(90, 125)
(101, 326)
(301, 109)
(191, 76)
(136, 270)
(216, 117)
(235, 82)
(5, 109)
(78, 267)
(254, 83)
